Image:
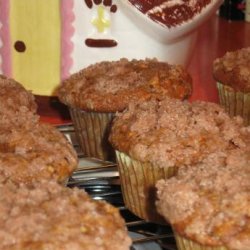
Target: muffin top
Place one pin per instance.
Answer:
(30, 150)
(170, 13)
(233, 69)
(34, 154)
(171, 132)
(48, 216)
(17, 105)
(15, 96)
(110, 86)
(210, 203)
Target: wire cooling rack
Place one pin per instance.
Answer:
(100, 179)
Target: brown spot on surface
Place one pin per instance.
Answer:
(89, 3)
(20, 46)
(113, 8)
(100, 43)
(97, 2)
(107, 2)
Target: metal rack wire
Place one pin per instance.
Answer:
(101, 180)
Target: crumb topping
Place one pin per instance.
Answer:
(17, 105)
(233, 69)
(171, 13)
(48, 216)
(171, 132)
(41, 152)
(110, 86)
(210, 203)
(30, 150)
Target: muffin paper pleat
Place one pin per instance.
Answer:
(235, 103)
(186, 244)
(92, 130)
(138, 181)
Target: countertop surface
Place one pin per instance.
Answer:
(215, 38)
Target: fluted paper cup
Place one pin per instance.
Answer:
(92, 130)
(138, 181)
(187, 244)
(235, 102)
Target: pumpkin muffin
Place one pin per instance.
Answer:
(17, 105)
(232, 73)
(94, 94)
(208, 206)
(42, 152)
(30, 150)
(155, 138)
(49, 216)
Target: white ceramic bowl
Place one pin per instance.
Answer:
(137, 35)
(174, 44)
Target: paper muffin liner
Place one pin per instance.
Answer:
(235, 103)
(186, 244)
(138, 181)
(92, 131)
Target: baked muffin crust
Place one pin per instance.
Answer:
(170, 132)
(210, 203)
(17, 105)
(30, 150)
(233, 69)
(38, 153)
(110, 86)
(48, 216)
(15, 96)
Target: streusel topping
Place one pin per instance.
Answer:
(110, 86)
(233, 69)
(170, 132)
(48, 216)
(210, 203)
(17, 105)
(30, 150)
(41, 152)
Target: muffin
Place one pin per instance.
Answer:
(17, 105)
(232, 74)
(208, 206)
(42, 152)
(155, 138)
(30, 150)
(94, 94)
(49, 216)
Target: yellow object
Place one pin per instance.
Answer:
(100, 22)
(247, 11)
(35, 38)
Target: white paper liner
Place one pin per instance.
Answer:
(92, 130)
(138, 186)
